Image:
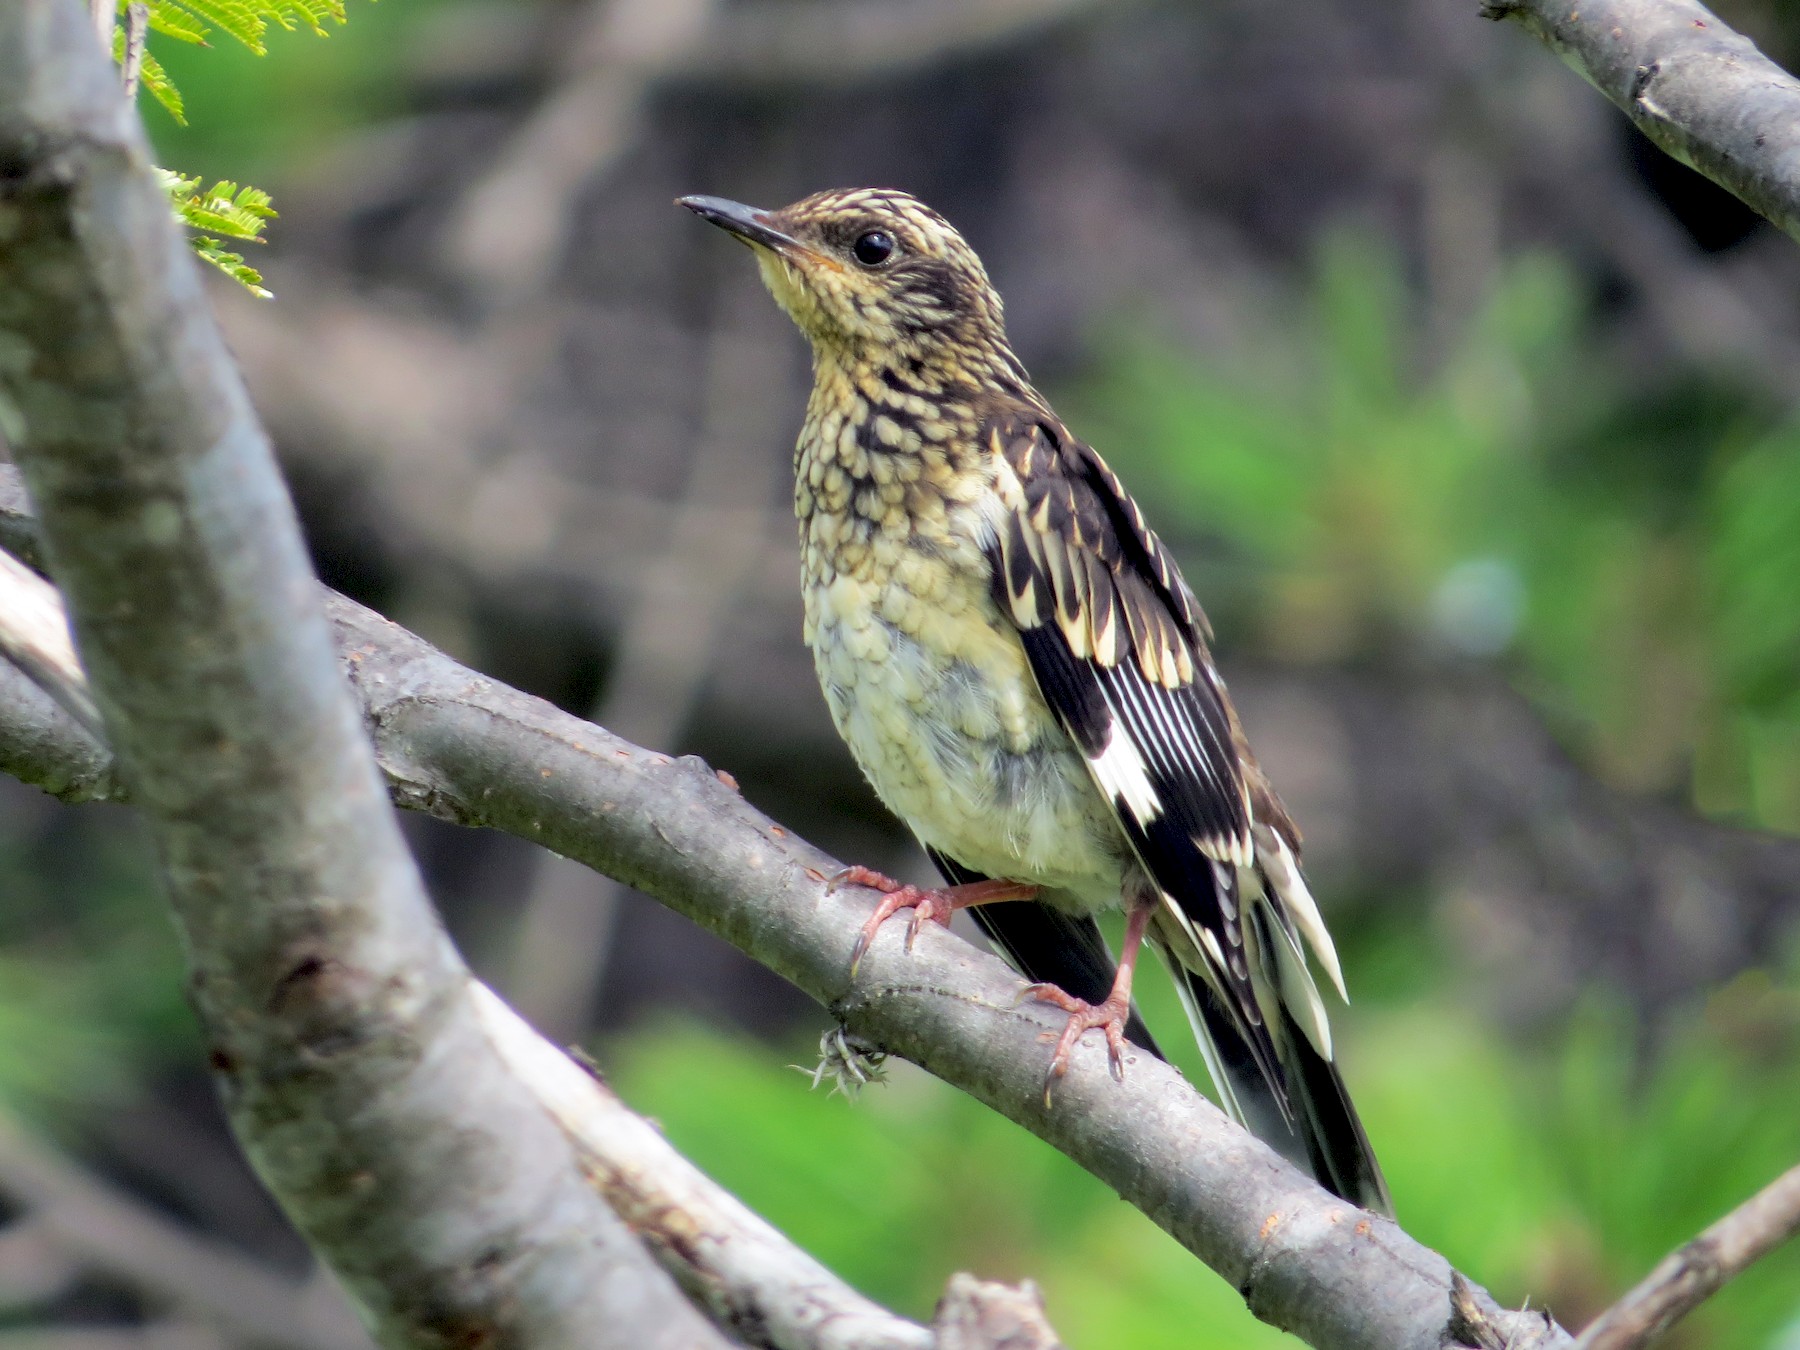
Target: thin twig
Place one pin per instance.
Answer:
(1698, 1269)
(137, 29)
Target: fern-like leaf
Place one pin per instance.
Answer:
(173, 21)
(249, 20)
(232, 265)
(224, 208)
(155, 81)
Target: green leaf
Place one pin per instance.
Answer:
(249, 20)
(172, 21)
(154, 81)
(232, 265)
(224, 208)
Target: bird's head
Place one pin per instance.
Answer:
(870, 272)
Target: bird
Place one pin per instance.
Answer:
(1022, 674)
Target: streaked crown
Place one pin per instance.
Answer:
(867, 268)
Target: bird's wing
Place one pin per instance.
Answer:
(1117, 643)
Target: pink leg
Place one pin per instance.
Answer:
(937, 904)
(1110, 1015)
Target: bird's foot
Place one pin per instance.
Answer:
(935, 905)
(1110, 1016)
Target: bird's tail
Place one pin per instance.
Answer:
(1317, 1128)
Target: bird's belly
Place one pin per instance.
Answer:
(941, 712)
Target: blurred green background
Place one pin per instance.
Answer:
(1388, 476)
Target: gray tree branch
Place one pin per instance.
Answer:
(747, 1275)
(1690, 83)
(354, 1070)
(467, 749)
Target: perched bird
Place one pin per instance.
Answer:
(1024, 677)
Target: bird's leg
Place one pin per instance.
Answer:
(936, 904)
(1109, 1015)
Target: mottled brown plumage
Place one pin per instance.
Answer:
(1018, 667)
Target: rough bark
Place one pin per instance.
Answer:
(335, 1009)
(464, 748)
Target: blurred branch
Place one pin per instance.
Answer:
(353, 1069)
(1694, 86)
(685, 590)
(507, 231)
(338, 374)
(103, 1227)
(466, 749)
(1697, 1270)
(854, 41)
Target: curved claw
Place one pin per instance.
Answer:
(901, 897)
(928, 909)
(1109, 1016)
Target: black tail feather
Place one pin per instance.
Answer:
(1325, 1136)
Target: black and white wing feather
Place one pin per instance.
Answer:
(1115, 640)
(1118, 647)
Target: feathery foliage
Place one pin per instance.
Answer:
(225, 209)
(246, 20)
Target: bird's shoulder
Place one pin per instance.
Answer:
(1081, 555)
(1115, 637)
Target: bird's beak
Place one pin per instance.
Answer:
(746, 222)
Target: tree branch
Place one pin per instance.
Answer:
(1690, 83)
(1698, 1269)
(466, 749)
(353, 1068)
(469, 750)
(748, 1276)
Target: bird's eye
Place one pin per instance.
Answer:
(874, 248)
